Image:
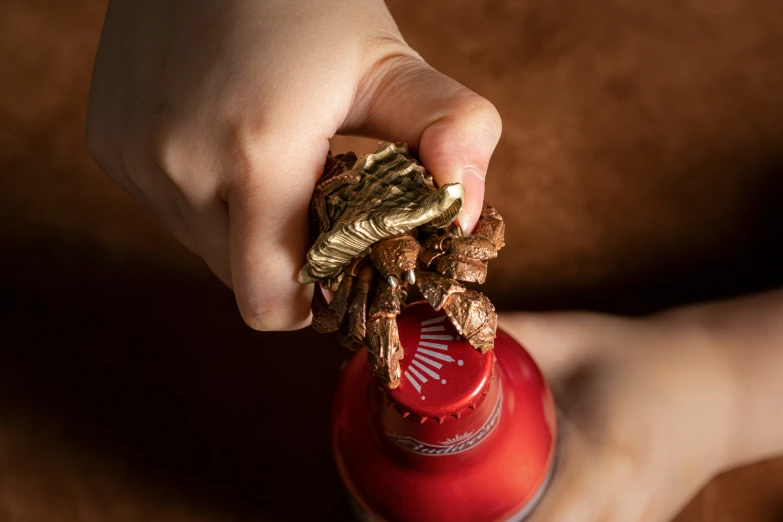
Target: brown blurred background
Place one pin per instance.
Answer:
(641, 166)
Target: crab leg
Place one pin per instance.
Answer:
(383, 341)
(342, 297)
(323, 319)
(355, 332)
(328, 318)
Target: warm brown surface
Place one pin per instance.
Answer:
(640, 167)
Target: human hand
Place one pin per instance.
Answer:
(217, 115)
(647, 407)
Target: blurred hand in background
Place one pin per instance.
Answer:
(653, 408)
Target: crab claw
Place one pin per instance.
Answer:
(491, 226)
(471, 313)
(474, 317)
(437, 289)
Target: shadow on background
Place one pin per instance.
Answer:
(131, 367)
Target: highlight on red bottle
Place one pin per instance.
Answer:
(465, 437)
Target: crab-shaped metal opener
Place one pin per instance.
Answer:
(380, 226)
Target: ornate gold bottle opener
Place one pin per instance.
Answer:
(381, 226)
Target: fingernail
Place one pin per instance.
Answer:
(473, 182)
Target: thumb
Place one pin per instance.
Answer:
(403, 99)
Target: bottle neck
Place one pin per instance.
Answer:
(438, 443)
(497, 474)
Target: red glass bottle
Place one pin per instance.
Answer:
(465, 437)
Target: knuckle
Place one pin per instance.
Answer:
(167, 150)
(244, 149)
(470, 120)
(185, 161)
(243, 159)
(479, 113)
(260, 160)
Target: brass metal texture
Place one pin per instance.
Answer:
(383, 195)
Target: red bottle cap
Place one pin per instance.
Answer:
(442, 374)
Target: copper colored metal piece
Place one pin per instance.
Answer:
(428, 256)
(438, 243)
(342, 297)
(386, 301)
(477, 247)
(336, 175)
(357, 311)
(462, 258)
(383, 341)
(474, 317)
(462, 268)
(437, 289)
(395, 255)
(384, 350)
(491, 226)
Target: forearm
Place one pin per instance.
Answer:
(747, 334)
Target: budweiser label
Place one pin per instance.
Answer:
(455, 444)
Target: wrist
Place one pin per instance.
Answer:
(749, 332)
(745, 338)
(710, 387)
